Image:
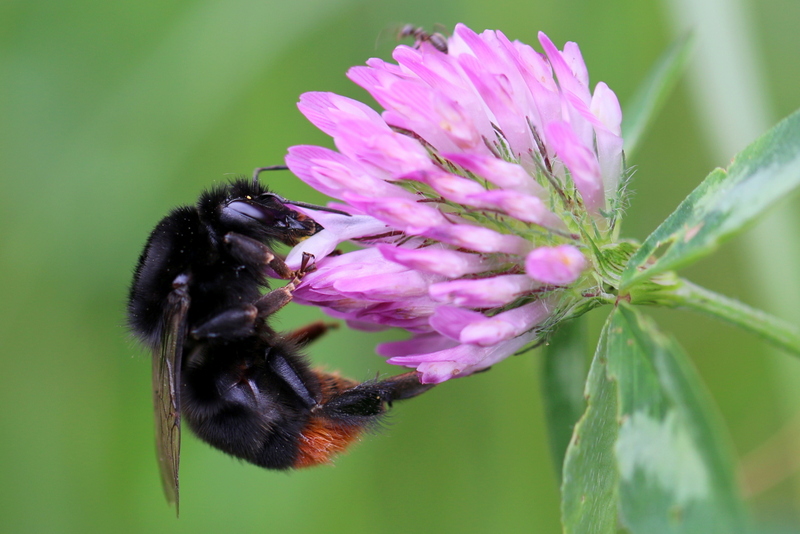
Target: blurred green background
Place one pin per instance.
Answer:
(112, 113)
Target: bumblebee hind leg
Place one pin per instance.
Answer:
(347, 410)
(365, 401)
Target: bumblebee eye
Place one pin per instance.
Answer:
(236, 211)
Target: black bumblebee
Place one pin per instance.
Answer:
(197, 301)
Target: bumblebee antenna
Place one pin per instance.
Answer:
(259, 170)
(311, 206)
(279, 198)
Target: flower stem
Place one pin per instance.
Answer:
(774, 330)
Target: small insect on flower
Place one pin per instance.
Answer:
(483, 196)
(196, 301)
(437, 40)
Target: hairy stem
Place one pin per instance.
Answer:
(777, 331)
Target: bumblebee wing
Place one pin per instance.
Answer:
(166, 388)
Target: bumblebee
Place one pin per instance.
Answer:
(201, 303)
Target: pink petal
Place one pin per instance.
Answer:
(437, 260)
(572, 55)
(384, 286)
(442, 73)
(523, 207)
(454, 188)
(334, 174)
(501, 173)
(381, 65)
(327, 111)
(484, 292)
(461, 360)
(581, 162)
(609, 141)
(337, 228)
(420, 344)
(606, 108)
(538, 76)
(568, 80)
(403, 213)
(415, 106)
(559, 265)
(450, 320)
(381, 149)
(506, 325)
(411, 314)
(498, 94)
(478, 239)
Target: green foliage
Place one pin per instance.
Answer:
(563, 375)
(676, 465)
(653, 93)
(724, 204)
(590, 484)
(650, 451)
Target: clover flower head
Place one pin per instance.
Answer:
(482, 196)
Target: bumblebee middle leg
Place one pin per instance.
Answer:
(230, 324)
(310, 332)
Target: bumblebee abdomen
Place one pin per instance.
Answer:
(322, 439)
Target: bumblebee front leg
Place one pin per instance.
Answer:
(278, 298)
(253, 252)
(240, 321)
